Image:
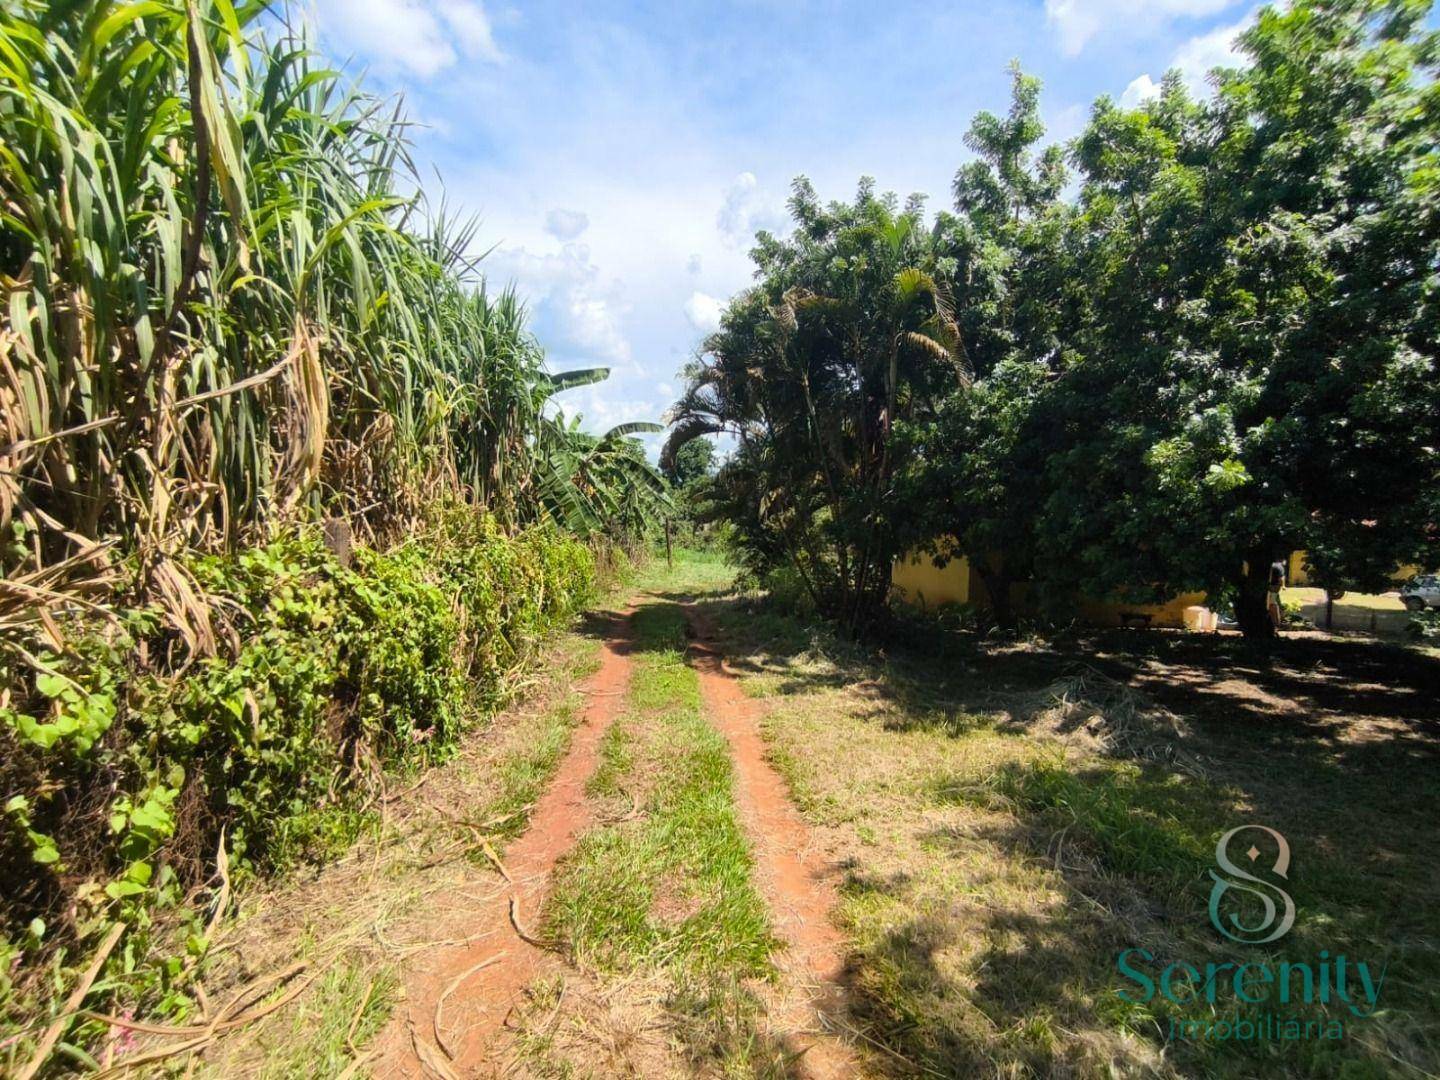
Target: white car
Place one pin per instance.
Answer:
(1421, 592)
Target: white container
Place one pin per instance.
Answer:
(1195, 617)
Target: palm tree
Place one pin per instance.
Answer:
(848, 335)
(601, 483)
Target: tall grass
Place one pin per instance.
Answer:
(223, 305)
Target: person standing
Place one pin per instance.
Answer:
(1272, 594)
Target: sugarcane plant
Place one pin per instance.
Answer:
(224, 307)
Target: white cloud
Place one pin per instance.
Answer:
(573, 310)
(1216, 49)
(746, 210)
(1140, 90)
(703, 311)
(1077, 21)
(1194, 60)
(601, 408)
(469, 23)
(421, 37)
(566, 224)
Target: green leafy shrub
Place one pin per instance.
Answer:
(125, 766)
(1424, 626)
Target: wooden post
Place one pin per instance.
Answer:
(340, 540)
(669, 560)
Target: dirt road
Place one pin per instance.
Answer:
(457, 1000)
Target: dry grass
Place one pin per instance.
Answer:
(643, 1026)
(357, 922)
(1012, 816)
(967, 950)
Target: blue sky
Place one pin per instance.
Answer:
(621, 156)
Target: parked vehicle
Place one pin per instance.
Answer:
(1421, 592)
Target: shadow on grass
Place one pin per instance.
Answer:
(1333, 742)
(1009, 1020)
(604, 625)
(1326, 713)
(655, 622)
(986, 984)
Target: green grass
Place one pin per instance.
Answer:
(520, 777)
(348, 1008)
(617, 758)
(1154, 832)
(673, 888)
(1147, 824)
(695, 573)
(321, 1032)
(667, 893)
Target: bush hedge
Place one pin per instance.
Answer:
(126, 763)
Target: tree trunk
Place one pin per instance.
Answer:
(997, 585)
(1251, 612)
(865, 600)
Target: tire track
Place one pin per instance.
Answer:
(796, 880)
(458, 1000)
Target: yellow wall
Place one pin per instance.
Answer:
(919, 581)
(1295, 574)
(1170, 613)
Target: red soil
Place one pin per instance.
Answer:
(502, 964)
(478, 984)
(797, 881)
